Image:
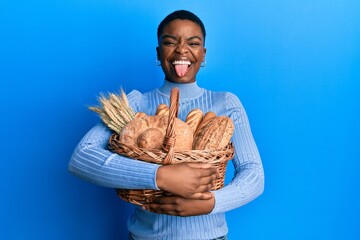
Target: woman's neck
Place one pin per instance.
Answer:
(187, 90)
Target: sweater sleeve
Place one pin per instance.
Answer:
(92, 161)
(248, 181)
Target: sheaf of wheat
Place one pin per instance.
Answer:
(114, 110)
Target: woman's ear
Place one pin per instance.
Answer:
(204, 51)
(157, 53)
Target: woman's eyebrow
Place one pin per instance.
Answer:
(168, 36)
(194, 37)
(175, 38)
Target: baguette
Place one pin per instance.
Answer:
(194, 119)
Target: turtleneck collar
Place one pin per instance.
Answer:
(187, 90)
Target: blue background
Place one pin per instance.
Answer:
(295, 65)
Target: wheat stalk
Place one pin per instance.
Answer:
(114, 110)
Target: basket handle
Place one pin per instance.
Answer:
(170, 137)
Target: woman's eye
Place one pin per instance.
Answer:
(169, 43)
(194, 44)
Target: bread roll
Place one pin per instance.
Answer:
(134, 132)
(151, 138)
(162, 109)
(194, 118)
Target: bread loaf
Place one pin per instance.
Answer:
(215, 134)
(194, 118)
(132, 130)
(208, 116)
(151, 138)
(183, 135)
(162, 109)
(140, 114)
(149, 131)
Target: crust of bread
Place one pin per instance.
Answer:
(216, 134)
(194, 119)
(136, 128)
(151, 138)
(162, 109)
(140, 114)
(207, 118)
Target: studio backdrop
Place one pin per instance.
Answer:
(295, 65)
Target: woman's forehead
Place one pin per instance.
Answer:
(181, 27)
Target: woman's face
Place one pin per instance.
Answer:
(181, 51)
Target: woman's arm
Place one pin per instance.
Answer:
(248, 181)
(93, 162)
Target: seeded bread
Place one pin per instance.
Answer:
(207, 117)
(215, 134)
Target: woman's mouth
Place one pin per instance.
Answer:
(181, 67)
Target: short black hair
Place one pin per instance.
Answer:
(183, 15)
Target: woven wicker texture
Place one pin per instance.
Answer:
(168, 155)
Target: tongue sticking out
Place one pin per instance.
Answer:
(181, 69)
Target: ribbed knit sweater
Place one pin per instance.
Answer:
(93, 162)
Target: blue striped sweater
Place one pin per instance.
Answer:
(93, 162)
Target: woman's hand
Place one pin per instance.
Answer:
(188, 180)
(179, 206)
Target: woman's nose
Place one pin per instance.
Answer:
(181, 48)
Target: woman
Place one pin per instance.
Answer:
(194, 212)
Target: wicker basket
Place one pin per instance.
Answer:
(167, 155)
